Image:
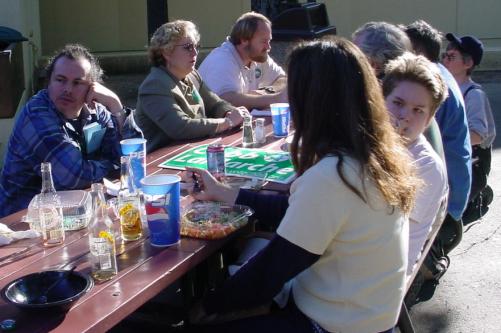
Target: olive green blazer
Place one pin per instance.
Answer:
(169, 109)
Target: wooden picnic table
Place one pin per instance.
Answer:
(144, 270)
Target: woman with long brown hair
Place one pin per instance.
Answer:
(343, 240)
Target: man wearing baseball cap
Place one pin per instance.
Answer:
(462, 55)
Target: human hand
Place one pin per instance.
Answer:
(210, 189)
(236, 116)
(400, 126)
(243, 111)
(100, 94)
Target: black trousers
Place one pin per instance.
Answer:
(290, 320)
(480, 169)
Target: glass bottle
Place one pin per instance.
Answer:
(247, 133)
(50, 213)
(259, 133)
(101, 238)
(129, 204)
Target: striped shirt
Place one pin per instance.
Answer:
(42, 134)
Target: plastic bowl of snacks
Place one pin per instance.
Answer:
(56, 289)
(213, 220)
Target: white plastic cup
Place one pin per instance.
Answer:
(280, 117)
(137, 161)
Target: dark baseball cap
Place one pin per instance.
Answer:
(470, 45)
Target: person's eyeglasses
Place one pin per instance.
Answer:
(189, 47)
(448, 56)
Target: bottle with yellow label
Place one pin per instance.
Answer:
(129, 204)
(101, 238)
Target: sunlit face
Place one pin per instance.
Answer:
(69, 84)
(454, 62)
(259, 46)
(181, 61)
(410, 106)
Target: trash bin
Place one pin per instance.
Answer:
(12, 69)
(298, 21)
(302, 21)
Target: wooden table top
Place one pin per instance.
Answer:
(144, 270)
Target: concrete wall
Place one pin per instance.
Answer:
(21, 15)
(214, 18)
(479, 18)
(119, 27)
(102, 26)
(118, 33)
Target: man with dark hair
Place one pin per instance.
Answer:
(241, 70)
(50, 128)
(425, 39)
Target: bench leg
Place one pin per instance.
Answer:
(404, 320)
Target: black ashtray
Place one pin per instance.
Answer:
(56, 289)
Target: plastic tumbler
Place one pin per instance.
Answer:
(280, 117)
(136, 149)
(161, 202)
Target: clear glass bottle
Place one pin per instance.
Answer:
(259, 133)
(247, 133)
(129, 204)
(50, 213)
(101, 238)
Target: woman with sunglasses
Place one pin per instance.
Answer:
(343, 241)
(173, 101)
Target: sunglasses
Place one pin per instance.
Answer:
(189, 47)
(448, 56)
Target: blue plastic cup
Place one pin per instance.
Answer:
(161, 201)
(136, 149)
(280, 117)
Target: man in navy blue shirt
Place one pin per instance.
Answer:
(50, 129)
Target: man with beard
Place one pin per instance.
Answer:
(241, 71)
(50, 128)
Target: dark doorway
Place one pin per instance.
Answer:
(157, 11)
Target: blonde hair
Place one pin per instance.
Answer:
(167, 36)
(417, 69)
(246, 26)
